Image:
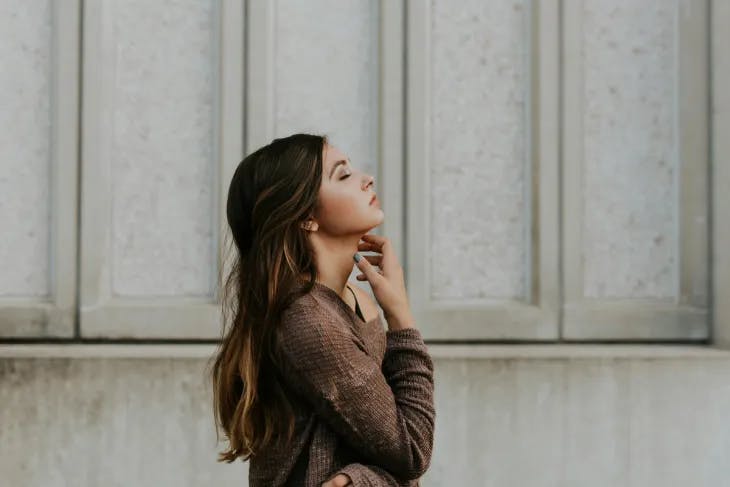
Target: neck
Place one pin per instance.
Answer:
(334, 261)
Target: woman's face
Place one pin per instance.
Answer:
(345, 196)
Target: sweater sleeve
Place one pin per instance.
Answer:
(384, 411)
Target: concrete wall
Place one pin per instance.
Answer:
(558, 154)
(74, 422)
(506, 416)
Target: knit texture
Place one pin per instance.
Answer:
(363, 398)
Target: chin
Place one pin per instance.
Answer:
(366, 222)
(380, 219)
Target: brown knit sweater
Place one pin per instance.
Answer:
(363, 398)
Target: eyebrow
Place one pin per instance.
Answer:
(334, 166)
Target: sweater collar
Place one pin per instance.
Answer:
(330, 293)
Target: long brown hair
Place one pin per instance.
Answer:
(272, 192)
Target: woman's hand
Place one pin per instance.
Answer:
(339, 480)
(387, 283)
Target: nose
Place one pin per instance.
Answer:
(370, 181)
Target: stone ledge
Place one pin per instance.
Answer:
(438, 351)
(576, 351)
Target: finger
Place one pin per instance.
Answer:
(371, 238)
(368, 247)
(341, 480)
(370, 272)
(390, 260)
(348, 481)
(336, 481)
(365, 240)
(361, 277)
(374, 259)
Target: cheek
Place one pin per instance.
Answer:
(339, 203)
(340, 209)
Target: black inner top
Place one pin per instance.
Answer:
(357, 305)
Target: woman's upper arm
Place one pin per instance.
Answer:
(389, 420)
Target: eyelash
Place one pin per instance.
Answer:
(345, 176)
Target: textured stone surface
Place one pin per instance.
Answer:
(91, 422)
(478, 149)
(631, 158)
(25, 145)
(499, 422)
(327, 74)
(594, 422)
(162, 105)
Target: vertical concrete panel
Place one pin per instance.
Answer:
(536, 421)
(327, 74)
(678, 421)
(498, 423)
(596, 434)
(163, 60)
(479, 146)
(25, 145)
(630, 143)
(720, 171)
(90, 422)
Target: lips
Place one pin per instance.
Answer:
(372, 200)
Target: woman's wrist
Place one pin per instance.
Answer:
(400, 320)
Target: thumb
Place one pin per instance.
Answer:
(366, 267)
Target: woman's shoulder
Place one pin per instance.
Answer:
(314, 306)
(310, 321)
(303, 305)
(318, 319)
(322, 304)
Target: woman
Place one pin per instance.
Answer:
(308, 385)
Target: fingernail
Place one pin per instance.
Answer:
(357, 257)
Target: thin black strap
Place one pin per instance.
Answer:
(357, 305)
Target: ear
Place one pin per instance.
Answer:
(310, 225)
